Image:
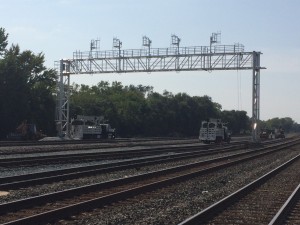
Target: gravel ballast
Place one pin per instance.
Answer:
(174, 204)
(166, 206)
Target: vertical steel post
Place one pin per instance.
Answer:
(68, 103)
(119, 67)
(63, 95)
(60, 96)
(255, 96)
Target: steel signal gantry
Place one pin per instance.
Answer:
(207, 58)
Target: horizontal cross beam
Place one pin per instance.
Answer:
(160, 63)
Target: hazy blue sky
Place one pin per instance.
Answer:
(59, 27)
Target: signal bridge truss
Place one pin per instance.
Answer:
(207, 58)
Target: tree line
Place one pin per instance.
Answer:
(139, 111)
(28, 92)
(287, 124)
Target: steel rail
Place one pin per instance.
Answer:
(209, 213)
(287, 207)
(97, 202)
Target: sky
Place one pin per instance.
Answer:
(58, 28)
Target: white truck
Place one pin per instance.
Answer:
(90, 127)
(214, 130)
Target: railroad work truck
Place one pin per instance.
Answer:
(271, 133)
(214, 130)
(90, 127)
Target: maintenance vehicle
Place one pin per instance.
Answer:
(91, 127)
(214, 130)
(271, 133)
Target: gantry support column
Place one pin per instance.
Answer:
(255, 96)
(63, 96)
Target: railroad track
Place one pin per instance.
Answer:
(8, 148)
(57, 147)
(95, 155)
(257, 202)
(22, 181)
(38, 178)
(92, 141)
(62, 157)
(45, 208)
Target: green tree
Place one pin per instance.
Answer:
(286, 123)
(3, 41)
(26, 89)
(138, 111)
(238, 121)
